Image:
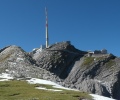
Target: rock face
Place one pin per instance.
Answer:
(58, 58)
(18, 63)
(65, 65)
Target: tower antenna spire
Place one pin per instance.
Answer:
(47, 39)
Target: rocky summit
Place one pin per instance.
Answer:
(65, 65)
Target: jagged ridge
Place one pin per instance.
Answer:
(66, 65)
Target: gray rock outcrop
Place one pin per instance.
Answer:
(67, 66)
(18, 63)
(74, 69)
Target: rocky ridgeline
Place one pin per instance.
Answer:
(65, 65)
(57, 58)
(18, 63)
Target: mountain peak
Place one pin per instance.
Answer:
(65, 65)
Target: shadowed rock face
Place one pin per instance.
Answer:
(58, 59)
(65, 65)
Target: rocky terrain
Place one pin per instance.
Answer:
(65, 65)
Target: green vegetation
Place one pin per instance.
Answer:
(88, 61)
(110, 63)
(100, 58)
(21, 90)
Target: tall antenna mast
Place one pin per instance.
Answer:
(47, 41)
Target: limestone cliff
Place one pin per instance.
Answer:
(66, 65)
(74, 69)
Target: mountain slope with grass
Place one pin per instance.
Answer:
(39, 89)
(63, 64)
(36, 89)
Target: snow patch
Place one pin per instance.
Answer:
(19, 59)
(5, 77)
(7, 70)
(43, 88)
(35, 49)
(98, 97)
(41, 81)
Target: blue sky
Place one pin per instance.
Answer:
(88, 24)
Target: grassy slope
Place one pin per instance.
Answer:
(88, 61)
(21, 90)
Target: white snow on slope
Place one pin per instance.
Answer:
(43, 88)
(98, 97)
(41, 81)
(6, 77)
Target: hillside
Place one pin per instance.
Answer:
(65, 65)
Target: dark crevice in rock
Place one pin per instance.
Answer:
(116, 88)
(69, 67)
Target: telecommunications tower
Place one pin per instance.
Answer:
(47, 39)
